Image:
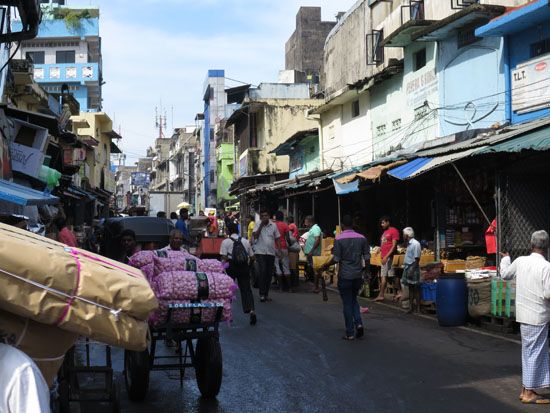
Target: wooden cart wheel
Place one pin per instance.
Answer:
(208, 366)
(136, 374)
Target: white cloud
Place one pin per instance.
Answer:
(144, 64)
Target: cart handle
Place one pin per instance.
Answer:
(194, 305)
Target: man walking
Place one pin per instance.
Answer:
(388, 247)
(351, 251)
(181, 225)
(313, 248)
(236, 251)
(411, 269)
(532, 275)
(282, 263)
(266, 245)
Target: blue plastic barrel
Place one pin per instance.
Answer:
(452, 300)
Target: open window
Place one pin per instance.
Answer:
(375, 50)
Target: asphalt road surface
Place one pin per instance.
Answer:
(294, 360)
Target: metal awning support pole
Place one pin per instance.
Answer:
(339, 213)
(471, 193)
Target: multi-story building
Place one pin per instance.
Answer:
(95, 131)
(399, 86)
(160, 172)
(304, 49)
(67, 51)
(182, 161)
(214, 110)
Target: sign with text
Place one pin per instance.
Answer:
(141, 179)
(25, 159)
(531, 85)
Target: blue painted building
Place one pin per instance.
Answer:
(526, 40)
(65, 53)
(470, 71)
(303, 151)
(215, 100)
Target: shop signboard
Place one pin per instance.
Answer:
(531, 85)
(25, 159)
(141, 179)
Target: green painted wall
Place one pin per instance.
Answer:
(224, 171)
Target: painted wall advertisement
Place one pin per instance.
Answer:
(420, 88)
(531, 85)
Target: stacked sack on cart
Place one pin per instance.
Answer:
(50, 294)
(181, 279)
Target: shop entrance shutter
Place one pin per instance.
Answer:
(525, 208)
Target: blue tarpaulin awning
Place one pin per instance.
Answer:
(407, 170)
(24, 196)
(423, 165)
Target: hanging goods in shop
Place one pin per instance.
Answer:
(73, 289)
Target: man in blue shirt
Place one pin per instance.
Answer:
(351, 251)
(181, 225)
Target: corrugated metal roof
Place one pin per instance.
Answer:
(538, 140)
(484, 139)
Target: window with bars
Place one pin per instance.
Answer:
(355, 108)
(375, 50)
(36, 57)
(65, 56)
(540, 48)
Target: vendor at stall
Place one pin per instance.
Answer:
(388, 248)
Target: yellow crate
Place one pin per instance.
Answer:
(376, 259)
(427, 259)
(318, 262)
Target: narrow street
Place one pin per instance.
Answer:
(295, 361)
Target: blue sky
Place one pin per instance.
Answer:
(157, 50)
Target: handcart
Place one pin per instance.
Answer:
(198, 347)
(86, 382)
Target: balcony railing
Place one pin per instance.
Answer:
(66, 72)
(462, 4)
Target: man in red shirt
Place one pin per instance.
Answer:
(65, 236)
(293, 228)
(282, 263)
(388, 247)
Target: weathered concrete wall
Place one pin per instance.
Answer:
(345, 59)
(280, 120)
(304, 49)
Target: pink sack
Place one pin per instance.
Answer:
(188, 285)
(175, 262)
(209, 265)
(141, 259)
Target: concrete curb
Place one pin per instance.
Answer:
(433, 318)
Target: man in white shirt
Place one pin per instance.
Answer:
(176, 241)
(22, 386)
(532, 275)
(267, 244)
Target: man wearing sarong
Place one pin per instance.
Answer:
(532, 274)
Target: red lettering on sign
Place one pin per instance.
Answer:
(541, 66)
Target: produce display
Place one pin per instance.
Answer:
(179, 278)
